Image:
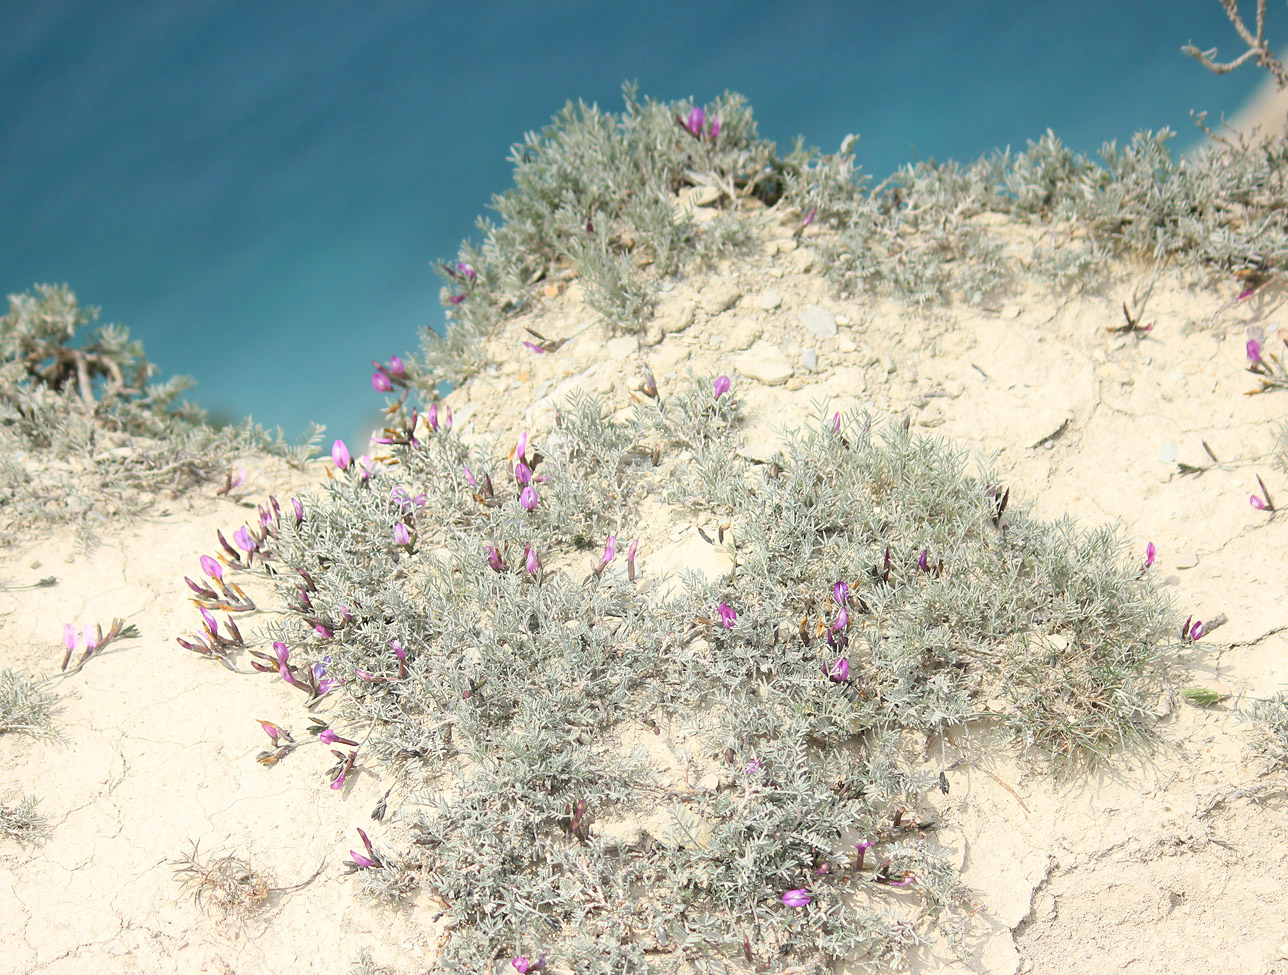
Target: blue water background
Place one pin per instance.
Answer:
(258, 190)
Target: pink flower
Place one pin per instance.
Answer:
(399, 652)
(836, 423)
(328, 737)
(357, 858)
(340, 455)
(522, 473)
(431, 417)
(1256, 502)
(798, 898)
(528, 498)
(714, 129)
(696, 119)
(380, 383)
(533, 562)
(1254, 350)
(534, 348)
(244, 540)
(1149, 554)
(521, 964)
(494, 560)
(338, 783)
(69, 636)
(396, 366)
(283, 655)
(466, 271)
(722, 385)
(91, 638)
(839, 671)
(270, 729)
(469, 478)
(299, 510)
(863, 846)
(212, 568)
(727, 615)
(402, 534)
(521, 448)
(610, 549)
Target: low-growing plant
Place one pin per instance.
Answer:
(83, 430)
(21, 821)
(227, 882)
(617, 773)
(27, 706)
(1269, 718)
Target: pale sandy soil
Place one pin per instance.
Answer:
(1155, 863)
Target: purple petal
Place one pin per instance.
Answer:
(340, 455)
(528, 497)
(380, 383)
(69, 636)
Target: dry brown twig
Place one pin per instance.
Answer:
(1258, 50)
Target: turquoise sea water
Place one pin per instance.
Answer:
(258, 190)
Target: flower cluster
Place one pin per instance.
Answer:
(95, 640)
(698, 126)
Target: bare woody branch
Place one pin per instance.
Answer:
(1258, 50)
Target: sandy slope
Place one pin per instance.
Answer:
(1152, 864)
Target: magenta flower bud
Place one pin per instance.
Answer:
(715, 127)
(339, 784)
(1196, 630)
(863, 846)
(534, 348)
(798, 898)
(727, 615)
(91, 638)
(380, 383)
(809, 217)
(630, 552)
(1254, 350)
(722, 385)
(922, 562)
(456, 299)
(364, 675)
(522, 473)
(402, 535)
(270, 729)
(1149, 554)
(841, 593)
(244, 541)
(366, 467)
(212, 568)
(466, 271)
(494, 559)
(69, 636)
(211, 624)
(1256, 502)
(469, 478)
(836, 423)
(328, 737)
(696, 118)
(399, 652)
(610, 549)
(839, 671)
(340, 455)
(323, 631)
(396, 366)
(528, 497)
(299, 510)
(447, 418)
(533, 562)
(357, 858)
(283, 668)
(431, 417)
(842, 620)
(521, 448)
(521, 964)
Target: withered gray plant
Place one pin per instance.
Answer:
(1269, 719)
(85, 433)
(517, 701)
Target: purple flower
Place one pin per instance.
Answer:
(841, 593)
(521, 964)
(923, 561)
(528, 497)
(365, 675)
(534, 348)
(396, 366)
(696, 118)
(466, 271)
(366, 467)
(907, 879)
(283, 655)
(211, 623)
(727, 615)
(714, 128)
(863, 846)
(299, 510)
(809, 217)
(456, 299)
(842, 620)
(754, 766)
(328, 737)
(69, 636)
(1254, 350)
(494, 559)
(357, 858)
(522, 473)
(521, 448)
(380, 383)
(1196, 630)
(1256, 501)
(447, 419)
(340, 455)
(270, 729)
(244, 541)
(399, 652)
(798, 898)
(610, 549)
(338, 783)
(431, 417)
(836, 422)
(469, 478)
(534, 563)
(323, 631)
(212, 568)
(839, 671)
(630, 552)
(1149, 554)
(402, 534)
(722, 385)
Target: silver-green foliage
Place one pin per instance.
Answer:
(526, 698)
(21, 821)
(82, 427)
(27, 706)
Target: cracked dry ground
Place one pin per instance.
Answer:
(1155, 862)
